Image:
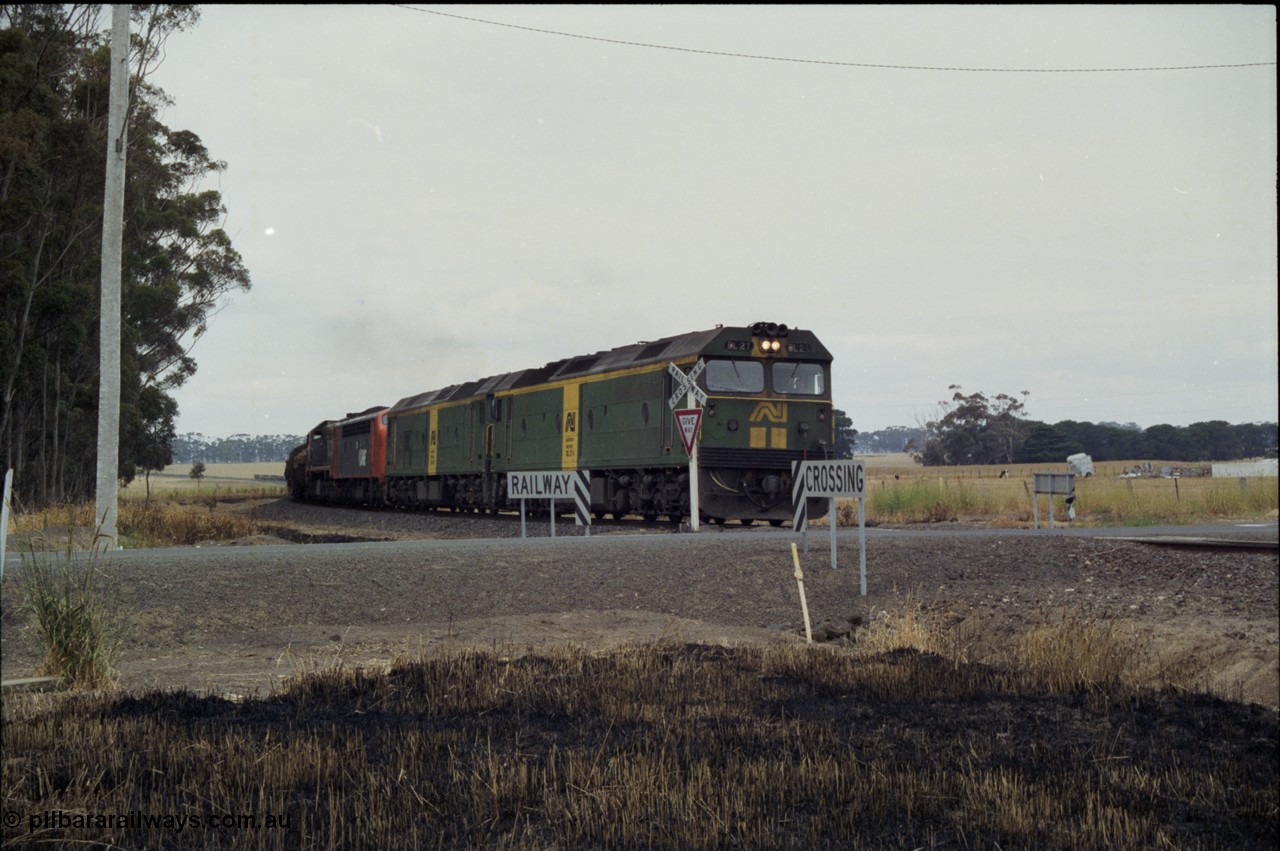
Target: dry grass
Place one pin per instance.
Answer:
(1072, 652)
(63, 595)
(900, 494)
(158, 523)
(672, 746)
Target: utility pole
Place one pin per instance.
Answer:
(107, 492)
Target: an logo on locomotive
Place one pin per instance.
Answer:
(774, 412)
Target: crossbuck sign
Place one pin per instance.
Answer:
(830, 479)
(686, 384)
(687, 420)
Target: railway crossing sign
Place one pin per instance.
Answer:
(687, 384)
(553, 485)
(830, 479)
(688, 420)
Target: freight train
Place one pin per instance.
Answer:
(768, 404)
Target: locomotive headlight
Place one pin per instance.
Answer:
(822, 415)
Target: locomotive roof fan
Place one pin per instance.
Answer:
(771, 331)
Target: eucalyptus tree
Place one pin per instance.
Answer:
(975, 429)
(179, 264)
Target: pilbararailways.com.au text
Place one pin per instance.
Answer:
(137, 820)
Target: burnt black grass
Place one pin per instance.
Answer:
(677, 746)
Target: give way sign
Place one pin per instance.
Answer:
(688, 420)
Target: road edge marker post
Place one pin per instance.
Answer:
(804, 604)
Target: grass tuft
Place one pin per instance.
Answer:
(1074, 653)
(62, 594)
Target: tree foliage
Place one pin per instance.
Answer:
(846, 436)
(975, 429)
(1214, 440)
(177, 266)
(235, 449)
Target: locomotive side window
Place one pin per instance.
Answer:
(798, 379)
(734, 376)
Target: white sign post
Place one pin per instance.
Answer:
(553, 485)
(689, 418)
(831, 479)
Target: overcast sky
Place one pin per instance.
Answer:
(423, 200)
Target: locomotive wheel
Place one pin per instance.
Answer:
(747, 521)
(775, 522)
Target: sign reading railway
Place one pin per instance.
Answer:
(553, 484)
(540, 485)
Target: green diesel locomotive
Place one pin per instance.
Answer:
(768, 404)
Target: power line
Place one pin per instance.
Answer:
(732, 55)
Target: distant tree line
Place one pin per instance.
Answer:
(236, 449)
(177, 265)
(1214, 440)
(977, 429)
(889, 440)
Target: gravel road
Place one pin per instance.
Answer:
(233, 618)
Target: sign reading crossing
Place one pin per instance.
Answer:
(831, 479)
(688, 420)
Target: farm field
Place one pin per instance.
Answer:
(224, 477)
(900, 491)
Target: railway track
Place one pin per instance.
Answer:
(1245, 537)
(1206, 543)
